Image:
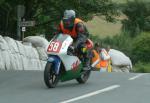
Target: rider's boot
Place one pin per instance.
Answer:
(86, 65)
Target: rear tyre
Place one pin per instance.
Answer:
(84, 76)
(50, 77)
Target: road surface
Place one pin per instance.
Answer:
(29, 87)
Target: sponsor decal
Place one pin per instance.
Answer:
(75, 65)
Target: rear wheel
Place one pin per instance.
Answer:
(84, 76)
(50, 77)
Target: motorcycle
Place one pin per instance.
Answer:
(62, 65)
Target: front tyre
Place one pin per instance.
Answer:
(50, 77)
(84, 76)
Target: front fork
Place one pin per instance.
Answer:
(55, 60)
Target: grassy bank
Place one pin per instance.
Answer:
(142, 67)
(98, 26)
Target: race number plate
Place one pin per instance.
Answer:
(54, 46)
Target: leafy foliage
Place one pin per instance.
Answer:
(138, 13)
(137, 49)
(121, 42)
(142, 67)
(141, 48)
(47, 13)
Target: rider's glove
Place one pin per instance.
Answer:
(84, 50)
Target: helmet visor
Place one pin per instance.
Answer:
(68, 22)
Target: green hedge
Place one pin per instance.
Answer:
(141, 48)
(142, 67)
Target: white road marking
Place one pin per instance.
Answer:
(91, 94)
(135, 77)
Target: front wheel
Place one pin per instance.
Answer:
(84, 76)
(50, 77)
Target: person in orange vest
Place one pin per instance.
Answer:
(104, 60)
(75, 27)
(96, 57)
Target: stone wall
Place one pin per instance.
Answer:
(15, 55)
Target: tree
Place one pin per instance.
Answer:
(47, 13)
(138, 17)
(141, 48)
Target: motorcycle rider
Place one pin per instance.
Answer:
(78, 31)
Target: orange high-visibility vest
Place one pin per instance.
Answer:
(104, 63)
(96, 57)
(72, 33)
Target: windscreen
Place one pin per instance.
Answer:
(60, 37)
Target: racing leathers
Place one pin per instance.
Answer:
(80, 34)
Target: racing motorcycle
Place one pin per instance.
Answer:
(62, 65)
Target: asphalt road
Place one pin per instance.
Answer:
(29, 87)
